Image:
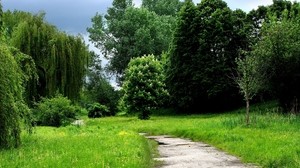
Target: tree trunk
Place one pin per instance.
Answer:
(247, 112)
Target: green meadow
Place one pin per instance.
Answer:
(99, 143)
(272, 140)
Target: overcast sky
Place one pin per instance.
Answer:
(74, 16)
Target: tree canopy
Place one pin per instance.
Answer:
(60, 59)
(163, 7)
(11, 99)
(279, 61)
(97, 87)
(206, 42)
(15, 69)
(144, 88)
(127, 32)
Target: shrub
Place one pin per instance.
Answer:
(56, 111)
(81, 111)
(97, 110)
(122, 107)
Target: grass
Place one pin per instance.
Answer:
(272, 140)
(97, 144)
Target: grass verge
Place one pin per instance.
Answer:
(272, 140)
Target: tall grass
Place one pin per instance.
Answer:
(97, 144)
(272, 140)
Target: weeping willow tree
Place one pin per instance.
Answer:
(60, 58)
(15, 69)
(10, 94)
(69, 57)
(10, 99)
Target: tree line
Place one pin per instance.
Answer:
(215, 56)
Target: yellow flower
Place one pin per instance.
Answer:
(123, 133)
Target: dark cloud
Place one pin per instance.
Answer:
(72, 16)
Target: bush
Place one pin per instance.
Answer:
(97, 110)
(56, 111)
(81, 111)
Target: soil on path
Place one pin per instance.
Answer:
(183, 153)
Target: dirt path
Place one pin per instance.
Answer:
(182, 153)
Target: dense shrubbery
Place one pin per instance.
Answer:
(56, 111)
(97, 110)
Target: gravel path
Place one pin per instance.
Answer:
(183, 153)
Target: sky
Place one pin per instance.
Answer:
(74, 16)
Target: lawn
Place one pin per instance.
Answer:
(272, 140)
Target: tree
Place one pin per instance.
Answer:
(248, 80)
(280, 9)
(163, 7)
(11, 99)
(205, 44)
(221, 38)
(184, 47)
(97, 87)
(144, 87)
(60, 59)
(278, 56)
(127, 32)
(14, 69)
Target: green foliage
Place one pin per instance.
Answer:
(163, 7)
(122, 107)
(182, 49)
(1, 23)
(144, 88)
(279, 61)
(248, 79)
(16, 69)
(127, 32)
(279, 9)
(26, 64)
(99, 90)
(206, 41)
(57, 111)
(97, 110)
(97, 87)
(29, 72)
(60, 59)
(11, 99)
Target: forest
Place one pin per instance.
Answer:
(228, 76)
